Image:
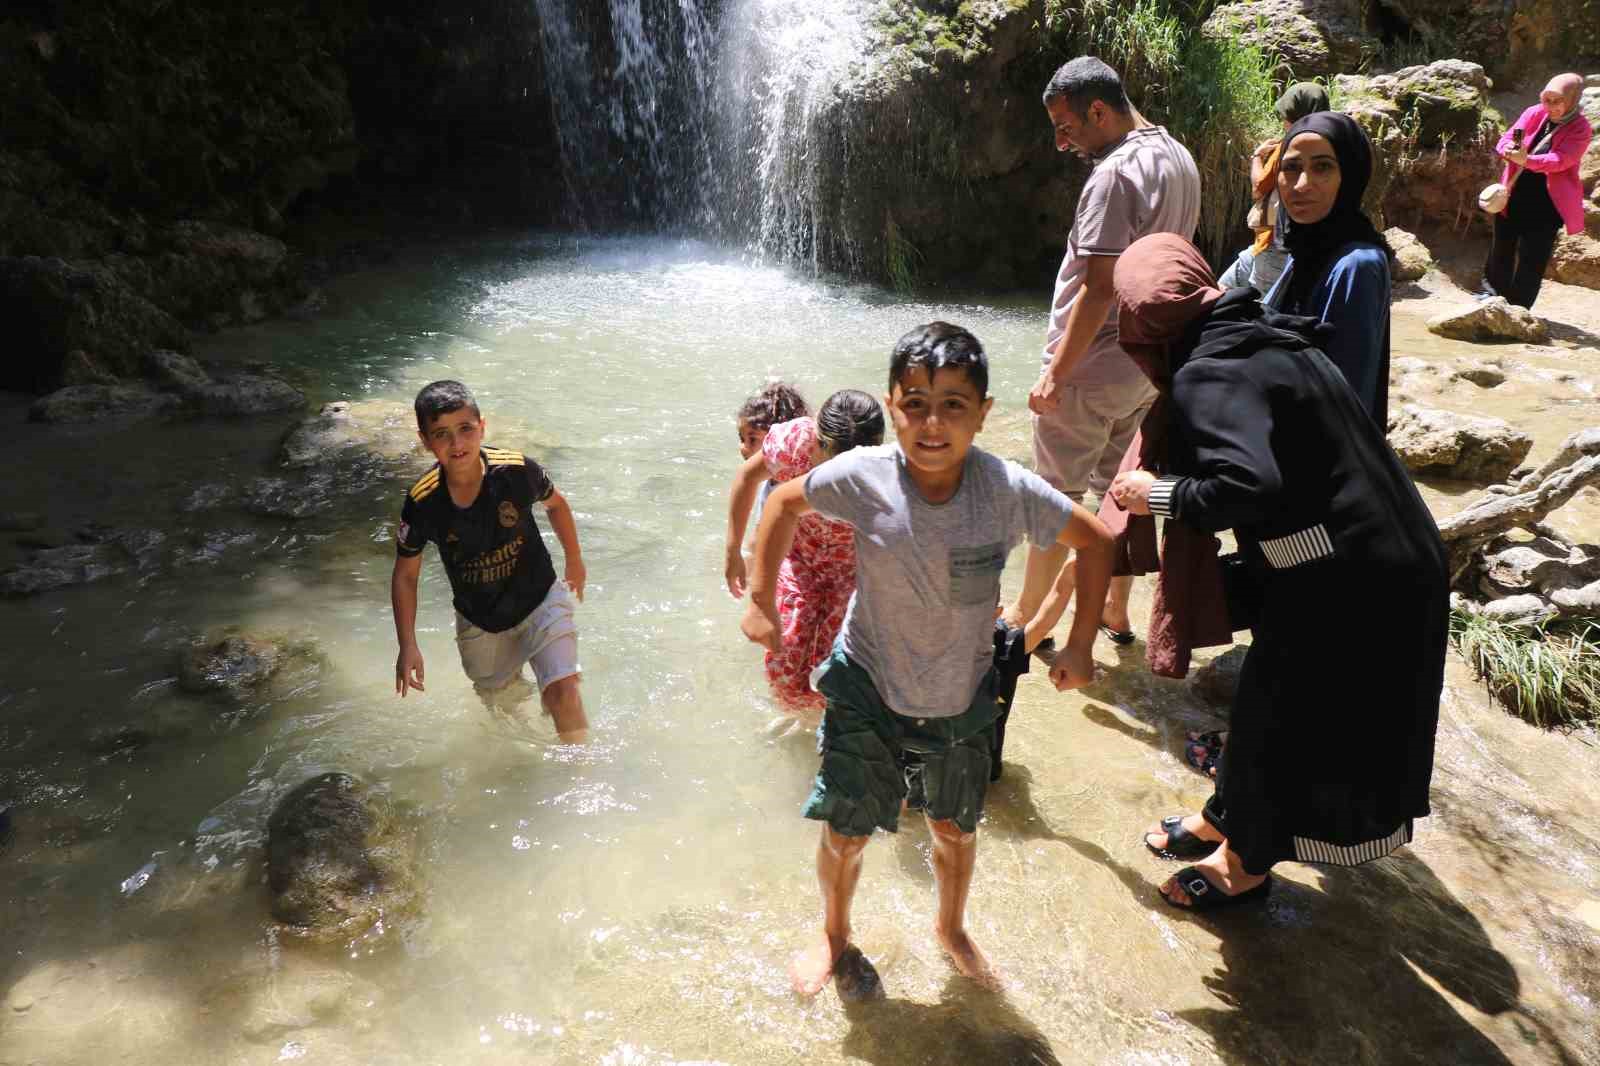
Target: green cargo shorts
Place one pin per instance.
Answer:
(863, 746)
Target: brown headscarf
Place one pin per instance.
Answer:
(1163, 286)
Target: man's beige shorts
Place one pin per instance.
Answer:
(1079, 445)
(547, 640)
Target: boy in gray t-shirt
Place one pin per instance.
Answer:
(934, 520)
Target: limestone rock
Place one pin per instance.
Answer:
(1481, 372)
(93, 403)
(340, 859)
(1444, 99)
(1583, 602)
(1312, 37)
(376, 428)
(1217, 680)
(1491, 320)
(230, 664)
(1542, 564)
(1412, 258)
(1461, 447)
(1576, 261)
(1526, 609)
(248, 394)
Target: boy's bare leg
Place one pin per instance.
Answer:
(1039, 575)
(563, 701)
(838, 871)
(955, 853)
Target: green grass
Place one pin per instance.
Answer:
(901, 259)
(1548, 675)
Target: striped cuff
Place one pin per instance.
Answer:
(1161, 496)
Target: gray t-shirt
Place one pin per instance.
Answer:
(1146, 183)
(921, 622)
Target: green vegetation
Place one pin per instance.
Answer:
(901, 259)
(1548, 675)
(1215, 96)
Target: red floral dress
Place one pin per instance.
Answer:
(815, 579)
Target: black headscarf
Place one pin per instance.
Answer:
(1312, 245)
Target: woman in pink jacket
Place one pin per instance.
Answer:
(1542, 151)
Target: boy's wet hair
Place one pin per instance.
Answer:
(937, 346)
(849, 419)
(777, 401)
(1082, 81)
(440, 398)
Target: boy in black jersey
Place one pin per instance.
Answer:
(476, 504)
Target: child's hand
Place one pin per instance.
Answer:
(577, 574)
(408, 670)
(760, 626)
(734, 573)
(1073, 668)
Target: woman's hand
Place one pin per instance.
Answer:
(1131, 490)
(1519, 156)
(733, 571)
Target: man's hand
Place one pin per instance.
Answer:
(733, 572)
(577, 576)
(1073, 668)
(1045, 396)
(408, 670)
(1131, 490)
(760, 626)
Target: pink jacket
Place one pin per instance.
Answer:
(1559, 165)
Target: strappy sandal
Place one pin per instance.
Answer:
(1203, 751)
(1205, 896)
(1181, 844)
(1123, 637)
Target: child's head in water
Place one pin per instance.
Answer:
(848, 419)
(776, 402)
(938, 395)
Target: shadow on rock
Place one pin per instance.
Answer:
(969, 1024)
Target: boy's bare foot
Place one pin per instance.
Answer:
(813, 964)
(967, 959)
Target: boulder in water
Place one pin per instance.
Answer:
(1491, 320)
(371, 428)
(1484, 373)
(78, 564)
(1462, 447)
(95, 403)
(231, 664)
(340, 859)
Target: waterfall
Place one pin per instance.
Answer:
(630, 87)
(705, 116)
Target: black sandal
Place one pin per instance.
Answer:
(1122, 637)
(1203, 751)
(1181, 844)
(1205, 896)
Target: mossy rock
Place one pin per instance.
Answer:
(341, 860)
(1312, 38)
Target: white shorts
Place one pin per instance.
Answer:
(1079, 445)
(547, 640)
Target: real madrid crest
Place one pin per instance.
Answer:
(508, 514)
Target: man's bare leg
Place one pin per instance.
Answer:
(1040, 574)
(955, 853)
(563, 701)
(838, 871)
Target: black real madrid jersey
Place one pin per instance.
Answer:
(498, 565)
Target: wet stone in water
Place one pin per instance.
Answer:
(230, 664)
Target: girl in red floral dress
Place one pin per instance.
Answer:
(817, 577)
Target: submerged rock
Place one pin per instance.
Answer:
(1491, 320)
(378, 429)
(94, 403)
(233, 663)
(340, 859)
(1449, 445)
(78, 564)
(1482, 373)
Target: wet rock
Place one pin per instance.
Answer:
(55, 307)
(1526, 609)
(1481, 372)
(1491, 320)
(1411, 256)
(248, 394)
(1576, 261)
(296, 1000)
(79, 564)
(1312, 37)
(174, 372)
(375, 428)
(231, 664)
(93, 403)
(293, 498)
(340, 859)
(1217, 680)
(1462, 447)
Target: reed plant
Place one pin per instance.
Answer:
(1548, 675)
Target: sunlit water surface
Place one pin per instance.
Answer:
(636, 900)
